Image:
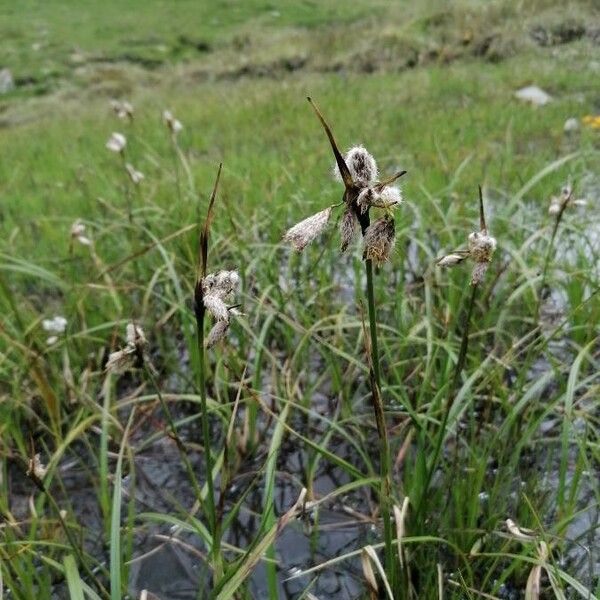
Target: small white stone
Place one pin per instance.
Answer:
(534, 95)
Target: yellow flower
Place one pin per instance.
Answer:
(592, 121)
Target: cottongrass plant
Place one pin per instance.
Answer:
(209, 295)
(480, 250)
(363, 190)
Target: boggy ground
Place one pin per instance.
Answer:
(426, 88)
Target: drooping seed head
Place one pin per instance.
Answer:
(135, 175)
(362, 166)
(36, 468)
(217, 333)
(379, 240)
(301, 234)
(123, 110)
(116, 142)
(479, 271)
(120, 360)
(450, 260)
(135, 335)
(78, 233)
(348, 228)
(554, 207)
(213, 302)
(171, 122)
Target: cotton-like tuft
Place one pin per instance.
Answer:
(362, 166)
(391, 196)
(379, 240)
(135, 335)
(481, 246)
(347, 228)
(301, 234)
(171, 122)
(116, 142)
(479, 271)
(216, 307)
(450, 260)
(135, 175)
(217, 333)
(57, 324)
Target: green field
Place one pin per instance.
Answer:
(508, 431)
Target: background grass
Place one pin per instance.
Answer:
(427, 88)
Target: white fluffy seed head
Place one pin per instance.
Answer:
(171, 122)
(379, 240)
(78, 231)
(57, 324)
(347, 228)
(135, 335)
(135, 175)
(391, 196)
(214, 304)
(116, 142)
(479, 271)
(481, 246)
(388, 197)
(120, 360)
(362, 166)
(301, 234)
(78, 228)
(366, 198)
(36, 468)
(554, 207)
(217, 333)
(123, 110)
(450, 260)
(226, 282)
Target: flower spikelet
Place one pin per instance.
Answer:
(481, 246)
(171, 122)
(135, 175)
(216, 307)
(390, 196)
(347, 228)
(123, 110)
(216, 288)
(379, 240)
(116, 143)
(301, 234)
(362, 166)
(451, 259)
(134, 351)
(78, 233)
(217, 333)
(36, 468)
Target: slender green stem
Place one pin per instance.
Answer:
(175, 435)
(460, 363)
(384, 446)
(210, 497)
(545, 268)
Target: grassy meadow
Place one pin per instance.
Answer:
(261, 467)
